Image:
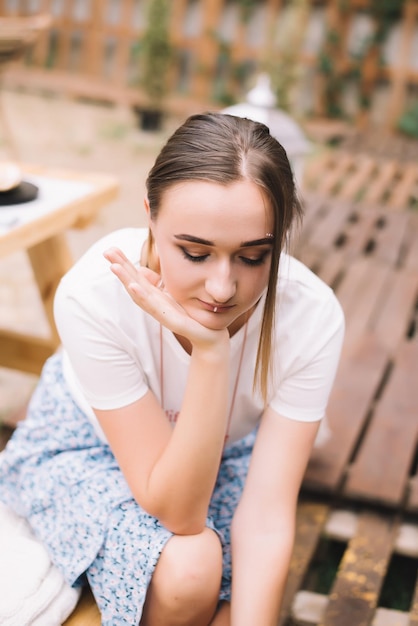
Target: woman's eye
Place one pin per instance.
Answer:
(195, 258)
(257, 261)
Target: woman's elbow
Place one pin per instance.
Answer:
(175, 518)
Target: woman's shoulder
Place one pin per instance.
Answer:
(302, 294)
(92, 267)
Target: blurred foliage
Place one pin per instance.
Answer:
(246, 9)
(284, 64)
(154, 52)
(338, 74)
(232, 75)
(408, 122)
(398, 588)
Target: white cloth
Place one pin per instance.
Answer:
(32, 590)
(112, 348)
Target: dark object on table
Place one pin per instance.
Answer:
(24, 192)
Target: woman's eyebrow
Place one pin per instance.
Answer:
(257, 242)
(244, 244)
(194, 239)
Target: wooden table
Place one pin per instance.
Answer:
(66, 200)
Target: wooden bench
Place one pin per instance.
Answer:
(368, 253)
(369, 256)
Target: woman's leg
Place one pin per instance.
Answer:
(223, 615)
(184, 589)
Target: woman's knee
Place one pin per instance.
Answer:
(190, 569)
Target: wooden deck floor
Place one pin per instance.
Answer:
(360, 234)
(360, 492)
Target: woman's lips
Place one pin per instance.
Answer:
(216, 308)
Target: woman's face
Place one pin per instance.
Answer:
(214, 249)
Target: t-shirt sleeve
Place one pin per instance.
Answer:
(88, 309)
(302, 393)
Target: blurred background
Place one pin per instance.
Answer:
(351, 60)
(96, 86)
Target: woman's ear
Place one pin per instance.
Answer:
(148, 212)
(147, 208)
(153, 260)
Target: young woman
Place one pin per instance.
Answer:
(165, 445)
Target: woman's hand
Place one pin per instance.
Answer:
(145, 288)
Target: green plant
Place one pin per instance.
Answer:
(383, 12)
(408, 122)
(335, 77)
(360, 69)
(285, 68)
(155, 52)
(231, 76)
(246, 9)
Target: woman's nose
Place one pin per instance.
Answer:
(220, 284)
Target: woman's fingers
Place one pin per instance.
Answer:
(126, 271)
(144, 287)
(118, 260)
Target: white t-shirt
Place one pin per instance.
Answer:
(112, 349)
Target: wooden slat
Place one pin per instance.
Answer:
(24, 352)
(332, 267)
(402, 191)
(389, 239)
(413, 617)
(412, 502)
(330, 226)
(86, 613)
(379, 185)
(360, 372)
(354, 185)
(315, 168)
(360, 292)
(393, 317)
(332, 177)
(358, 230)
(5, 434)
(354, 595)
(47, 274)
(410, 257)
(380, 471)
(314, 208)
(311, 518)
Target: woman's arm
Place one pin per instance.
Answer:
(172, 472)
(264, 524)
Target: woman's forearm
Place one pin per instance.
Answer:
(260, 563)
(183, 478)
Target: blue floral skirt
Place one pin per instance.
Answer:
(58, 473)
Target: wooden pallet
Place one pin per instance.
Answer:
(370, 540)
(369, 255)
(348, 175)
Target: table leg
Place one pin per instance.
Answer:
(50, 260)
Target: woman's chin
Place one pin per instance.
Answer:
(211, 320)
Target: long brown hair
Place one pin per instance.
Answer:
(224, 149)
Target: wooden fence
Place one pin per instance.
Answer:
(90, 51)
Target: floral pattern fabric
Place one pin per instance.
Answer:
(58, 474)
